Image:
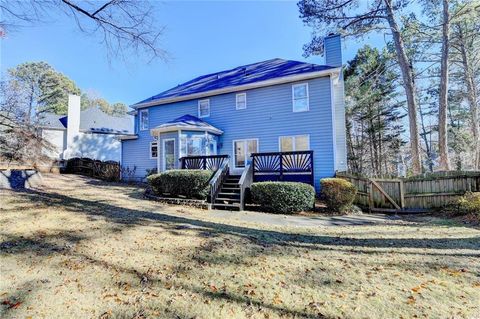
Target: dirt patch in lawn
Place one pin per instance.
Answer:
(89, 249)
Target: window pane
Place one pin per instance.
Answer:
(300, 91)
(169, 155)
(300, 105)
(204, 107)
(301, 143)
(241, 101)
(195, 146)
(252, 148)
(144, 119)
(286, 144)
(240, 153)
(154, 150)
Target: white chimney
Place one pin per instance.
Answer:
(73, 125)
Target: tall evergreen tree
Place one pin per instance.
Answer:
(373, 115)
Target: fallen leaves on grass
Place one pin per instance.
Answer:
(11, 304)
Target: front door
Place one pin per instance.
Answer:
(168, 154)
(242, 151)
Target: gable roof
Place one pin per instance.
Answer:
(92, 120)
(187, 122)
(95, 120)
(237, 77)
(52, 120)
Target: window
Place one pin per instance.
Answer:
(143, 120)
(153, 150)
(197, 143)
(241, 101)
(204, 108)
(243, 150)
(300, 97)
(294, 143)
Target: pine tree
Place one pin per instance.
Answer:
(373, 115)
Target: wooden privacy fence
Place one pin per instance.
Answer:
(107, 170)
(416, 194)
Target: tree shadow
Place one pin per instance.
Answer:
(132, 217)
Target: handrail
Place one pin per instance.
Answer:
(244, 183)
(217, 180)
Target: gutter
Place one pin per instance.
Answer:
(127, 137)
(282, 80)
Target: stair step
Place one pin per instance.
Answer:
(221, 200)
(227, 206)
(230, 184)
(230, 189)
(228, 195)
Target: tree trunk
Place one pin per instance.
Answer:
(472, 98)
(409, 85)
(444, 162)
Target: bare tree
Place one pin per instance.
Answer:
(358, 18)
(125, 26)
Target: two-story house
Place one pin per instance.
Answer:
(271, 106)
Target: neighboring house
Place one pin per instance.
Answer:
(271, 106)
(89, 133)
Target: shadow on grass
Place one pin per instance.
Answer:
(131, 217)
(121, 218)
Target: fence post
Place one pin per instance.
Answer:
(253, 167)
(281, 167)
(370, 195)
(402, 195)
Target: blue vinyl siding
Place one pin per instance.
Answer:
(268, 115)
(333, 50)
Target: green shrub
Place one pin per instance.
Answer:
(469, 203)
(283, 197)
(191, 183)
(338, 193)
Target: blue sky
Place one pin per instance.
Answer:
(201, 38)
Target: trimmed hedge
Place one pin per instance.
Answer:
(191, 183)
(283, 197)
(469, 203)
(338, 193)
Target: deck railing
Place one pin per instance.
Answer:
(210, 162)
(217, 180)
(244, 183)
(283, 166)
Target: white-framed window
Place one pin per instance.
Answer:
(143, 119)
(243, 149)
(300, 97)
(153, 150)
(294, 143)
(204, 108)
(241, 101)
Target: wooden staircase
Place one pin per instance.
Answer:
(229, 196)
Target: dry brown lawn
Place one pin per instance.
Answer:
(80, 248)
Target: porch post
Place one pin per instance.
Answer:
(179, 148)
(158, 152)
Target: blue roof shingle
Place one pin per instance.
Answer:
(245, 74)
